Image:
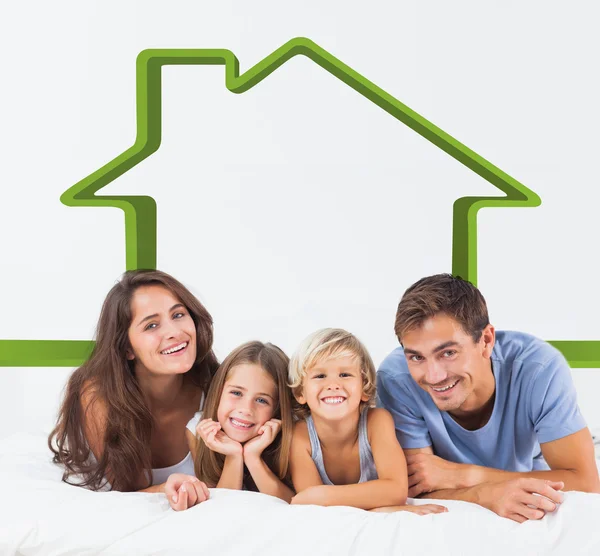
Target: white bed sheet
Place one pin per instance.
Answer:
(41, 515)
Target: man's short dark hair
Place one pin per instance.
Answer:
(442, 294)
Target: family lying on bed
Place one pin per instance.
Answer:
(465, 412)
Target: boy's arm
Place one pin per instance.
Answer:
(388, 490)
(302, 467)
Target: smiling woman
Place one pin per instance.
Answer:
(122, 424)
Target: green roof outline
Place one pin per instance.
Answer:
(140, 211)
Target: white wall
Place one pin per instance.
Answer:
(298, 204)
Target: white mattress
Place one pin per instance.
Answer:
(42, 515)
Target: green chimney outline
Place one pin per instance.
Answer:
(140, 211)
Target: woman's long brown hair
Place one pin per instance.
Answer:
(109, 378)
(209, 464)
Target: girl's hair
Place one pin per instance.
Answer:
(209, 464)
(325, 344)
(108, 377)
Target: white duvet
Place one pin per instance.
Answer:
(42, 515)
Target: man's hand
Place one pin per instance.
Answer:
(266, 434)
(184, 491)
(427, 473)
(521, 499)
(216, 440)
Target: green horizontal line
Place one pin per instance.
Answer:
(44, 353)
(72, 353)
(580, 354)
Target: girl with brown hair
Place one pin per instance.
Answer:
(122, 424)
(246, 438)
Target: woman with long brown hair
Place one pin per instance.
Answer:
(129, 413)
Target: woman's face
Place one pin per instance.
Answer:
(162, 333)
(248, 401)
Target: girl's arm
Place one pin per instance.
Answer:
(390, 489)
(232, 476)
(266, 481)
(233, 472)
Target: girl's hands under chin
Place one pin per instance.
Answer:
(266, 434)
(216, 440)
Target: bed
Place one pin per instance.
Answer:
(42, 515)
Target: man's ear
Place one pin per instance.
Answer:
(488, 339)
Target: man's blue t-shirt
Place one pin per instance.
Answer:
(535, 403)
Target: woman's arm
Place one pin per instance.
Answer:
(390, 489)
(182, 491)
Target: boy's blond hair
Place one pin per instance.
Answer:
(325, 344)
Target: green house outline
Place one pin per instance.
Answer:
(140, 211)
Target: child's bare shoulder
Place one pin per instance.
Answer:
(301, 430)
(377, 418)
(300, 437)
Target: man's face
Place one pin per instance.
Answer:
(445, 361)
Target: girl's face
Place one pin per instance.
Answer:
(333, 388)
(162, 333)
(247, 402)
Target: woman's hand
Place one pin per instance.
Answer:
(184, 491)
(422, 509)
(266, 435)
(216, 440)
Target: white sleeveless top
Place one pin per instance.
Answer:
(186, 465)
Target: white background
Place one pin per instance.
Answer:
(298, 204)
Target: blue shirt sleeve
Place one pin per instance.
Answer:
(411, 429)
(553, 401)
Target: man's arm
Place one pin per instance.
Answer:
(571, 461)
(515, 498)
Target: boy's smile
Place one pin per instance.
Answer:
(333, 388)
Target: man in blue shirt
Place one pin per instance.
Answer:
(483, 416)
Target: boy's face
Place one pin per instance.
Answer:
(333, 388)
